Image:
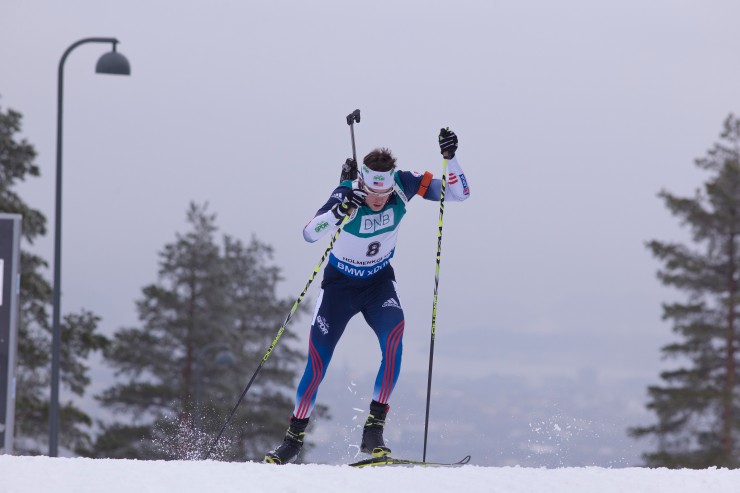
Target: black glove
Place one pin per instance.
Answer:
(349, 170)
(354, 199)
(447, 142)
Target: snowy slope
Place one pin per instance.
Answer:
(43, 474)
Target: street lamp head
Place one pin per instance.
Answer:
(225, 359)
(113, 63)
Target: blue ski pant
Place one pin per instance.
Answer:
(340, 299)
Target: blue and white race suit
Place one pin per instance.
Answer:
(360, 279)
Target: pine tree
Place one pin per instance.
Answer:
(79, 331)
(206, 295)
(698, 408)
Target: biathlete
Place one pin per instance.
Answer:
(360, 279)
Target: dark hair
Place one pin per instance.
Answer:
(380, 159)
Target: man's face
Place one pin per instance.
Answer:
(376, 199)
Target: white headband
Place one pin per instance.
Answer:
(379, 180)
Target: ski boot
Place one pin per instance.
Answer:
(372, 433)
(292, 443)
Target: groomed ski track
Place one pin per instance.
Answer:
(67, 475)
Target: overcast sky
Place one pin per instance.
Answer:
(572, 116)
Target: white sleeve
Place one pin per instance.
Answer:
(319, 226)
(456, 181)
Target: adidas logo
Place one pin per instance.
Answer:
(392, 303)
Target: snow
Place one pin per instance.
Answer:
(77, 475)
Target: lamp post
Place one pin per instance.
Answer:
(110, 63)
(224, 358)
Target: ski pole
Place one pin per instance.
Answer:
(351, 119)
(434, 304)
(349, 168)
(279, 334)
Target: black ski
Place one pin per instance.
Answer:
(391, 461)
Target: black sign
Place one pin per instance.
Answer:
(10, 225)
